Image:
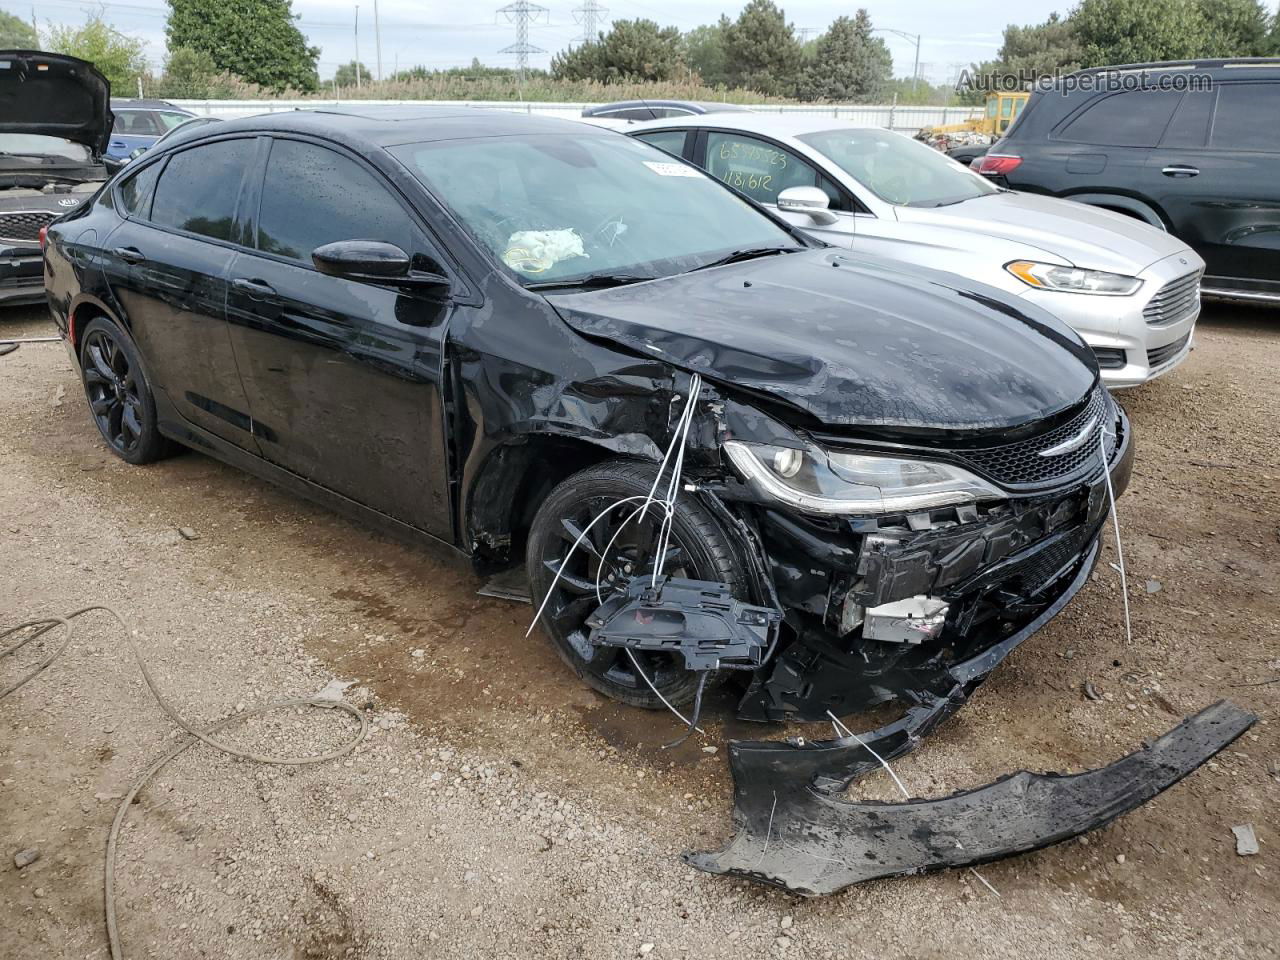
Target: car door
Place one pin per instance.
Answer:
(167, 264)
(1215, 177)
(1105, 144)
(343, 376)
(761, 169)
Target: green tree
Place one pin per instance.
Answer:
(762, 50)
(118, 58)
(633, 50)
(17, 34)
(188, 74)
(1235, 28)
(1272, 46)
(848, 63)
(1114, 32)
(704, 53)
(254, 39)
(346, 74)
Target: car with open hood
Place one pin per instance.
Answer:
(55, 120)
(1130, 290)
(718, 451)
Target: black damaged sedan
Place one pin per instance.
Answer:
(479, 329)
(483, 330)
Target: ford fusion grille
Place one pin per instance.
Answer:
(1157, 356)
(1023, 464)
(23, 227)
(1175, 300)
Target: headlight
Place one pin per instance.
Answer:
(827, 481)
(1048, 276)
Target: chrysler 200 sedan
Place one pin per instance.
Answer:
(488, 331)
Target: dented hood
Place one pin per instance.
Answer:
(852, 341)
(54, 96)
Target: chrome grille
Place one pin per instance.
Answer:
(23, 227)
(1160, 355)
(1021, 465)
(1175, 300)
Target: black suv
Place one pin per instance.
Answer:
(1192, 147)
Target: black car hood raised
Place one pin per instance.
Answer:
(853, 341)
(55, 96)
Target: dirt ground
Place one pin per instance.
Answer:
(500, 808)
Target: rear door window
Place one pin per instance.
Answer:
(671, 141)
(313, 195)
(1246, 117)
(135, 192)
(200, 188)
(760, 169)
(1136, 118)
(1190, 124)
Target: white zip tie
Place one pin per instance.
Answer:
(1115, 520)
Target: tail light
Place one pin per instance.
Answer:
(44, 236)
(998, 164)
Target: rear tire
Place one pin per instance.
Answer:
(699, 549)
(120, 398)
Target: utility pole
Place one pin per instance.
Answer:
(521, 13)
(590, 14)
(377, 38)
(914, 38)
(357, 46)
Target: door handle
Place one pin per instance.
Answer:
(253, 289)
(1180, 170)
(129, 254)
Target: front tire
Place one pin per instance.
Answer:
(120, 398)
(698, 549)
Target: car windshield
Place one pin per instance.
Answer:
(899, 170)
(37, 145)
(563, 207)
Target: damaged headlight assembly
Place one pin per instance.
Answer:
(841, 483)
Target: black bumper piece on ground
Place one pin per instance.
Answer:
(804, 839)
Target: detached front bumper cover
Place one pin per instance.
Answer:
(794, 835)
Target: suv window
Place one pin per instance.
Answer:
(135, 123)
(200, 187)
(313, 196)
(760, 169)
(1190, 125)
(1133, 119)
(1246, 117)
(671, 141)
(135, 192)
(169, 120)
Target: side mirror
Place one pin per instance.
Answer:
(136, 152)
(372, 261)
(807, 200)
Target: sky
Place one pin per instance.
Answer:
(953, 33)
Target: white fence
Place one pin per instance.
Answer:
(906, 119)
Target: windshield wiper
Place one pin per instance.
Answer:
(750, 253)
(592, 281)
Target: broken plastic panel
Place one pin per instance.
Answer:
(912, 620)
(698, 619)
(794, 836)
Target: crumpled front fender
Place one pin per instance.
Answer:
(798, 837)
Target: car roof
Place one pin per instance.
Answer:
(767, 124)
(133, 104)
(1244, 68)
(361, 125)
(699, 106)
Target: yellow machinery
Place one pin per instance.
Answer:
(1001, 110)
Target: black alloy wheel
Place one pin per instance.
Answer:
(619, 545)
(119, 397)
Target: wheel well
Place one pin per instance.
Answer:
(81, 317)
(1129, 207)
(514, 482)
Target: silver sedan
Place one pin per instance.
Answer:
(1130, 290)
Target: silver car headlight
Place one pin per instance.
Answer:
(1049, 276)
(816, 480)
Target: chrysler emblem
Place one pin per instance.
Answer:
(1072, 443)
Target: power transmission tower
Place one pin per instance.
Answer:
(590, 14)
(522, 13)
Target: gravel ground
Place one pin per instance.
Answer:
(501, 808)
